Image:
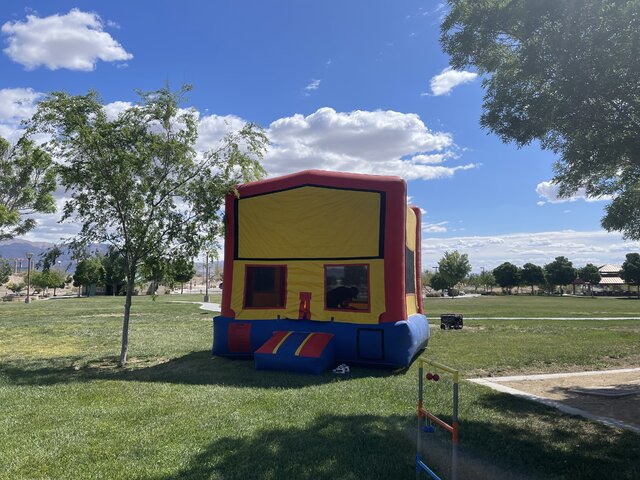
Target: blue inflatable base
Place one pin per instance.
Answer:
(384, 344)
(296, 352)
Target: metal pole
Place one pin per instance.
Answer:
(419, 441)
(28, 299)
(454, 446)
(206, 287)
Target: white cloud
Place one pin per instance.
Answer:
(373, 142)
(549, 192)
(114, 109)
(16, 104)
(48, 228)
(443, 83)
(597, 247)
(213, 128)
(439, 227)
(313, 85)
(75, 41)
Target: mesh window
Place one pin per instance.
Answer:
(265, 287)
(409, 270)
(347, 287)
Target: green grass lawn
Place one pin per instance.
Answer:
(176, 412)
(533, 306)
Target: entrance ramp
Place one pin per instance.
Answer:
(303, 352)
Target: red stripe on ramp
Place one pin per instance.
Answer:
(315, 345)
(269, 345)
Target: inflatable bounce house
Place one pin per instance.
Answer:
(320, 268)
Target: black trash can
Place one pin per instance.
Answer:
(450, 321)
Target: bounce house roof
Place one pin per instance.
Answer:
(321, 178)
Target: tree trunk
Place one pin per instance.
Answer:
(181, 288)
(125, 322)
(532, 291)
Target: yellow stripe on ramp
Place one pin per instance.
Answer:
(275, 350)
(303, 344)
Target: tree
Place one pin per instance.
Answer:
(631, 270)
(475, 280)
(27, 181)
(454, 267)
(16, 287)
(136, 182)
(560, 272)
(48, 279)
(488, 280)
(114, 266)
(57, 279)
(156, 270)
(507, 275)
(89, 271)
(532, 275)
(590, 274)
(183, 270)
(426, 278)
(564, 73)
(5, 271)
(438, 282)
(49, 258)
(39, 280)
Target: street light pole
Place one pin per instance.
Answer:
(206, 280)
(28, 299)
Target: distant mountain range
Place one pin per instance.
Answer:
(18, 248)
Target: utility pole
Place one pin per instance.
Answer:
(206, 278)
(28, 299)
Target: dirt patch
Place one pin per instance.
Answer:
(113, 315)
(588, 392)
(132, 362)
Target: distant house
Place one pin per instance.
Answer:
(610, 279)
(92, 290)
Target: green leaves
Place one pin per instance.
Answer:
(590, 274)
(27, 182)
(560, 271)
(453, 267)
(136, 182)
(5, 271)
(631, 269)
(507, 275)
(89, 271)
(564, 73)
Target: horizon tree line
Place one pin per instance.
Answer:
(454, 269)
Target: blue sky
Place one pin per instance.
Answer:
(338, 85)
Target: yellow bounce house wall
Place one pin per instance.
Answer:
(410, 236)
(274, 228)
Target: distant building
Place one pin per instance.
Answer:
(610, 275)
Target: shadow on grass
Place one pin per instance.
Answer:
(368, 446)
(330, 447)
(542, 439)
(197, 368)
